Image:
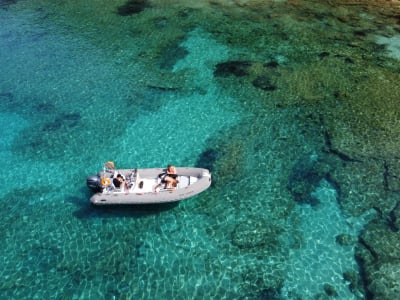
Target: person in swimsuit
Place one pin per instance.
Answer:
(171, 180)
(168, 178)
(119, 182)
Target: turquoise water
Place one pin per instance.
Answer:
(81, 85)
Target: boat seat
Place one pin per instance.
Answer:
(184, 181)
(136, 183)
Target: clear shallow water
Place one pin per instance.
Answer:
(318, 255)
(74, 99)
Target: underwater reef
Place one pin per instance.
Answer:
(319, 98)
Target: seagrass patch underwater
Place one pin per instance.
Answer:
(292, 105)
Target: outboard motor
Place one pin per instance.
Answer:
(94, 184)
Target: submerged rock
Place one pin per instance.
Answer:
(271, 64)
(395, 217)
(270, 294)
(306, 174)
(236, 68)
(323, 54)
(171, 55)
(45, 108)
(384, 282)
(263, 82)
(383, 243)
(330, 290)
(362, 187)
(345, 239)
(6, 95)
(355, 283)
(255, 233)
(379, 254)
(392, 174)
(132, 7)
(6, 3)
(63, 121)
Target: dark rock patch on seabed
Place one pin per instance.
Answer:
(171, 55)
(355, 282)
(330, 149)
(330, 290)
(393, 221)
(6, 98)
(270, 294)
(5, 3)
(348, 60)
(264, 82)
(261, 79)
(45, 108)
(360, 33)
(363, 188)
(271, 64)
(394, 218)
(255, 233)
(132, 7)
(379, 252)
(236, 68)
(392, 174)
(305, 177)
(8, 101)
(323, 54)
(345, 239)
(149, 99)
(68, 120)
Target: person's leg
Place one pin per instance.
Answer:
(126, 186)
(168, 182)
(156, 187)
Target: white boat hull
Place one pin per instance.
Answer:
(143, 186)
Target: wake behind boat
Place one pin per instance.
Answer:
(145, 186)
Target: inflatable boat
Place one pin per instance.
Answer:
(145, 186)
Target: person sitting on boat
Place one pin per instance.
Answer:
(168, 178)
(120, 182)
